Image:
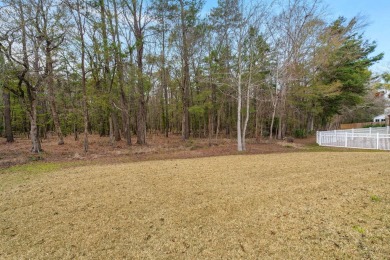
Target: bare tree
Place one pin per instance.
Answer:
(79, 11)
(250, 20)
(139, 24)
(160, 11)
(294, 28)
(49, 23)
(120, 71)
(19, 34)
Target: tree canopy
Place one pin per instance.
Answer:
(126, 68)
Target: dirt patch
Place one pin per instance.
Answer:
(158, 147)
(291, 205)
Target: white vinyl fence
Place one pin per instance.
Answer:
(362, 138)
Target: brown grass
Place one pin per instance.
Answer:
(297, 205)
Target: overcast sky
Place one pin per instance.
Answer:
(377, 14)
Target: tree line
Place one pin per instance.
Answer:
(130, 68)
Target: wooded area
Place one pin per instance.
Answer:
(131, 68)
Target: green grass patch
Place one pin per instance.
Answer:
(33, 168)
(375, 198)
(317, 148)
(21, 174)
(359, 229)
(314, 147)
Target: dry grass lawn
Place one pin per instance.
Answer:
(293, 205)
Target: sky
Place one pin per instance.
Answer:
(376, 13)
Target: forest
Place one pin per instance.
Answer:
(129, 69)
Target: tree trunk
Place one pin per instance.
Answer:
(214, 107)
(75, 131)
(31, 90)
(282, 114)
(257, 122)
(163, 74)
(141, 111)
(239, 97)
(248, 91)
(138, 29)
(51, 96)
(185, 85)
(102, 127)
(239, 105)
(247, 114)
(33, 98)
(217, 125)
(80, 25)
(7, 116)
(141, 124)
(119, 64)
(166, 110)
(36, 145)
(117, 134)
(111, 127)
(310, 123)
(165, 85)
(125, 118)
(210, 126)
(44, 124)
(271, 128)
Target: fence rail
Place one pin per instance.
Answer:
(362, 138)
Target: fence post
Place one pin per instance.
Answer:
(387, 129)
(346, 139)
(353, 131)
(377, 141)
(318, 137)
(370, 130)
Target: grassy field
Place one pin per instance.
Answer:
(292, 205)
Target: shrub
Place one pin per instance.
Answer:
(378, 125)
(299, 133)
